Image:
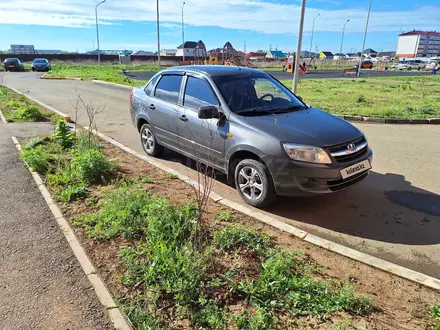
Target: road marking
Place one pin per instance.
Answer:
(335, 247)
(103, 294)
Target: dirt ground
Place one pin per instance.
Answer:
(400, 304)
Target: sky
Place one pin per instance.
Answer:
(262, 24)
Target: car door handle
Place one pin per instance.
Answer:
(183, 118)
(152, 107)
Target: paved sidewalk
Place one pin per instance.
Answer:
(41, 283)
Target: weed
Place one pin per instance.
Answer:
(234, 235)
(435, 314)
(224, 216)
(140, 315)
(73, 193)
(91, 165)
(261, 320)
(172, 176)
(63, 134)
(37, 159)
(31, 112)
(211, 315)
(32, 143)
(361, 99)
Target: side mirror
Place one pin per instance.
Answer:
(209, 112)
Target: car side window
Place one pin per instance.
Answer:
(168, 88)
(151, 85)
(198, 94)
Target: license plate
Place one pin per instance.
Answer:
(355, 169)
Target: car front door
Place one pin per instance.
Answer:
(163, 109)
(203, 139)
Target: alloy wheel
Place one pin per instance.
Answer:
(250, 183)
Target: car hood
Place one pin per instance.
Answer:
(310, 127)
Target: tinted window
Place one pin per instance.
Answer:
(198, 94)
(12, 60)
(150, 86)
(168, 88)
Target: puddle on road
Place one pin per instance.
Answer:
(423, 202)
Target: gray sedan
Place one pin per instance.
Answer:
(248, 125)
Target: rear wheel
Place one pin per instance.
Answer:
(254, 183)
(149, 142)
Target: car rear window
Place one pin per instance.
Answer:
(168, 88)
(151, 85)
(11, 60)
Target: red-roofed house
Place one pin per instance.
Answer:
(255, 55)
(418, 43)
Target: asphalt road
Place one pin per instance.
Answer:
(394, 214)
(42, 285)
(312, 75)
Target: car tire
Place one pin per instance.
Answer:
(254, 183)
(149, 142)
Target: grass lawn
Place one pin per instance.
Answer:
(387, 99)
(171, 267)
(110, 73)
(18, 108)
(418, 79)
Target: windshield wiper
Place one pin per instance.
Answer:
(290, 108)
(256, 110)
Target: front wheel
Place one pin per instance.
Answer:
(149, 142)
(254, 183)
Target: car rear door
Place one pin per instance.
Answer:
(163, 109)
(203, 139)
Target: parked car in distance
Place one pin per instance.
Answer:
(433, 64)
(13, 64)
(366, 64)
(411, 65)
(41, 64)
(246, 124)
(396, 64)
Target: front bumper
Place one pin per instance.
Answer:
(298, 178)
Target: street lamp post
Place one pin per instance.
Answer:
(298, 48)
(244, 49)
(183, 33)
(342, 41)
(97, 32)
(158, 34)
(365, 38)
(313, 31)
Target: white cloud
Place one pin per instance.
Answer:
(252, 15)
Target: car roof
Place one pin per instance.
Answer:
(214, 70)
(41, 58)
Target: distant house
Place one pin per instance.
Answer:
(275, 54)
(326, 55)
(142, 53)
(168, 52)
(369, 52)
(307, 54)
(255, 55)
(192, 49)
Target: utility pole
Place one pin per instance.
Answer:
(158, 34)
(97, 32)
(298, 48)
(342, 41)
(365, 38)
(244, 42)
(311, 39)
(183, 33)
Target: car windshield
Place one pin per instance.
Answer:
(40, 61)
(257, 93)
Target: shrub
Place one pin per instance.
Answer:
(30, 113)
(63, 134)
(37, 159)
(32, 143)
(91, 165)
(361, 99)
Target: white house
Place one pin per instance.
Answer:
(192, 49)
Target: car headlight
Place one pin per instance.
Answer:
(307, 153)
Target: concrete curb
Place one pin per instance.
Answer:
(102, 82)
(3, 118)
(104, 296)
(48, 107)
(364, 258)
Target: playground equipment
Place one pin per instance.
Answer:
(289, 65)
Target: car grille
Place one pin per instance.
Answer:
(345, 183)
(349, 157)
